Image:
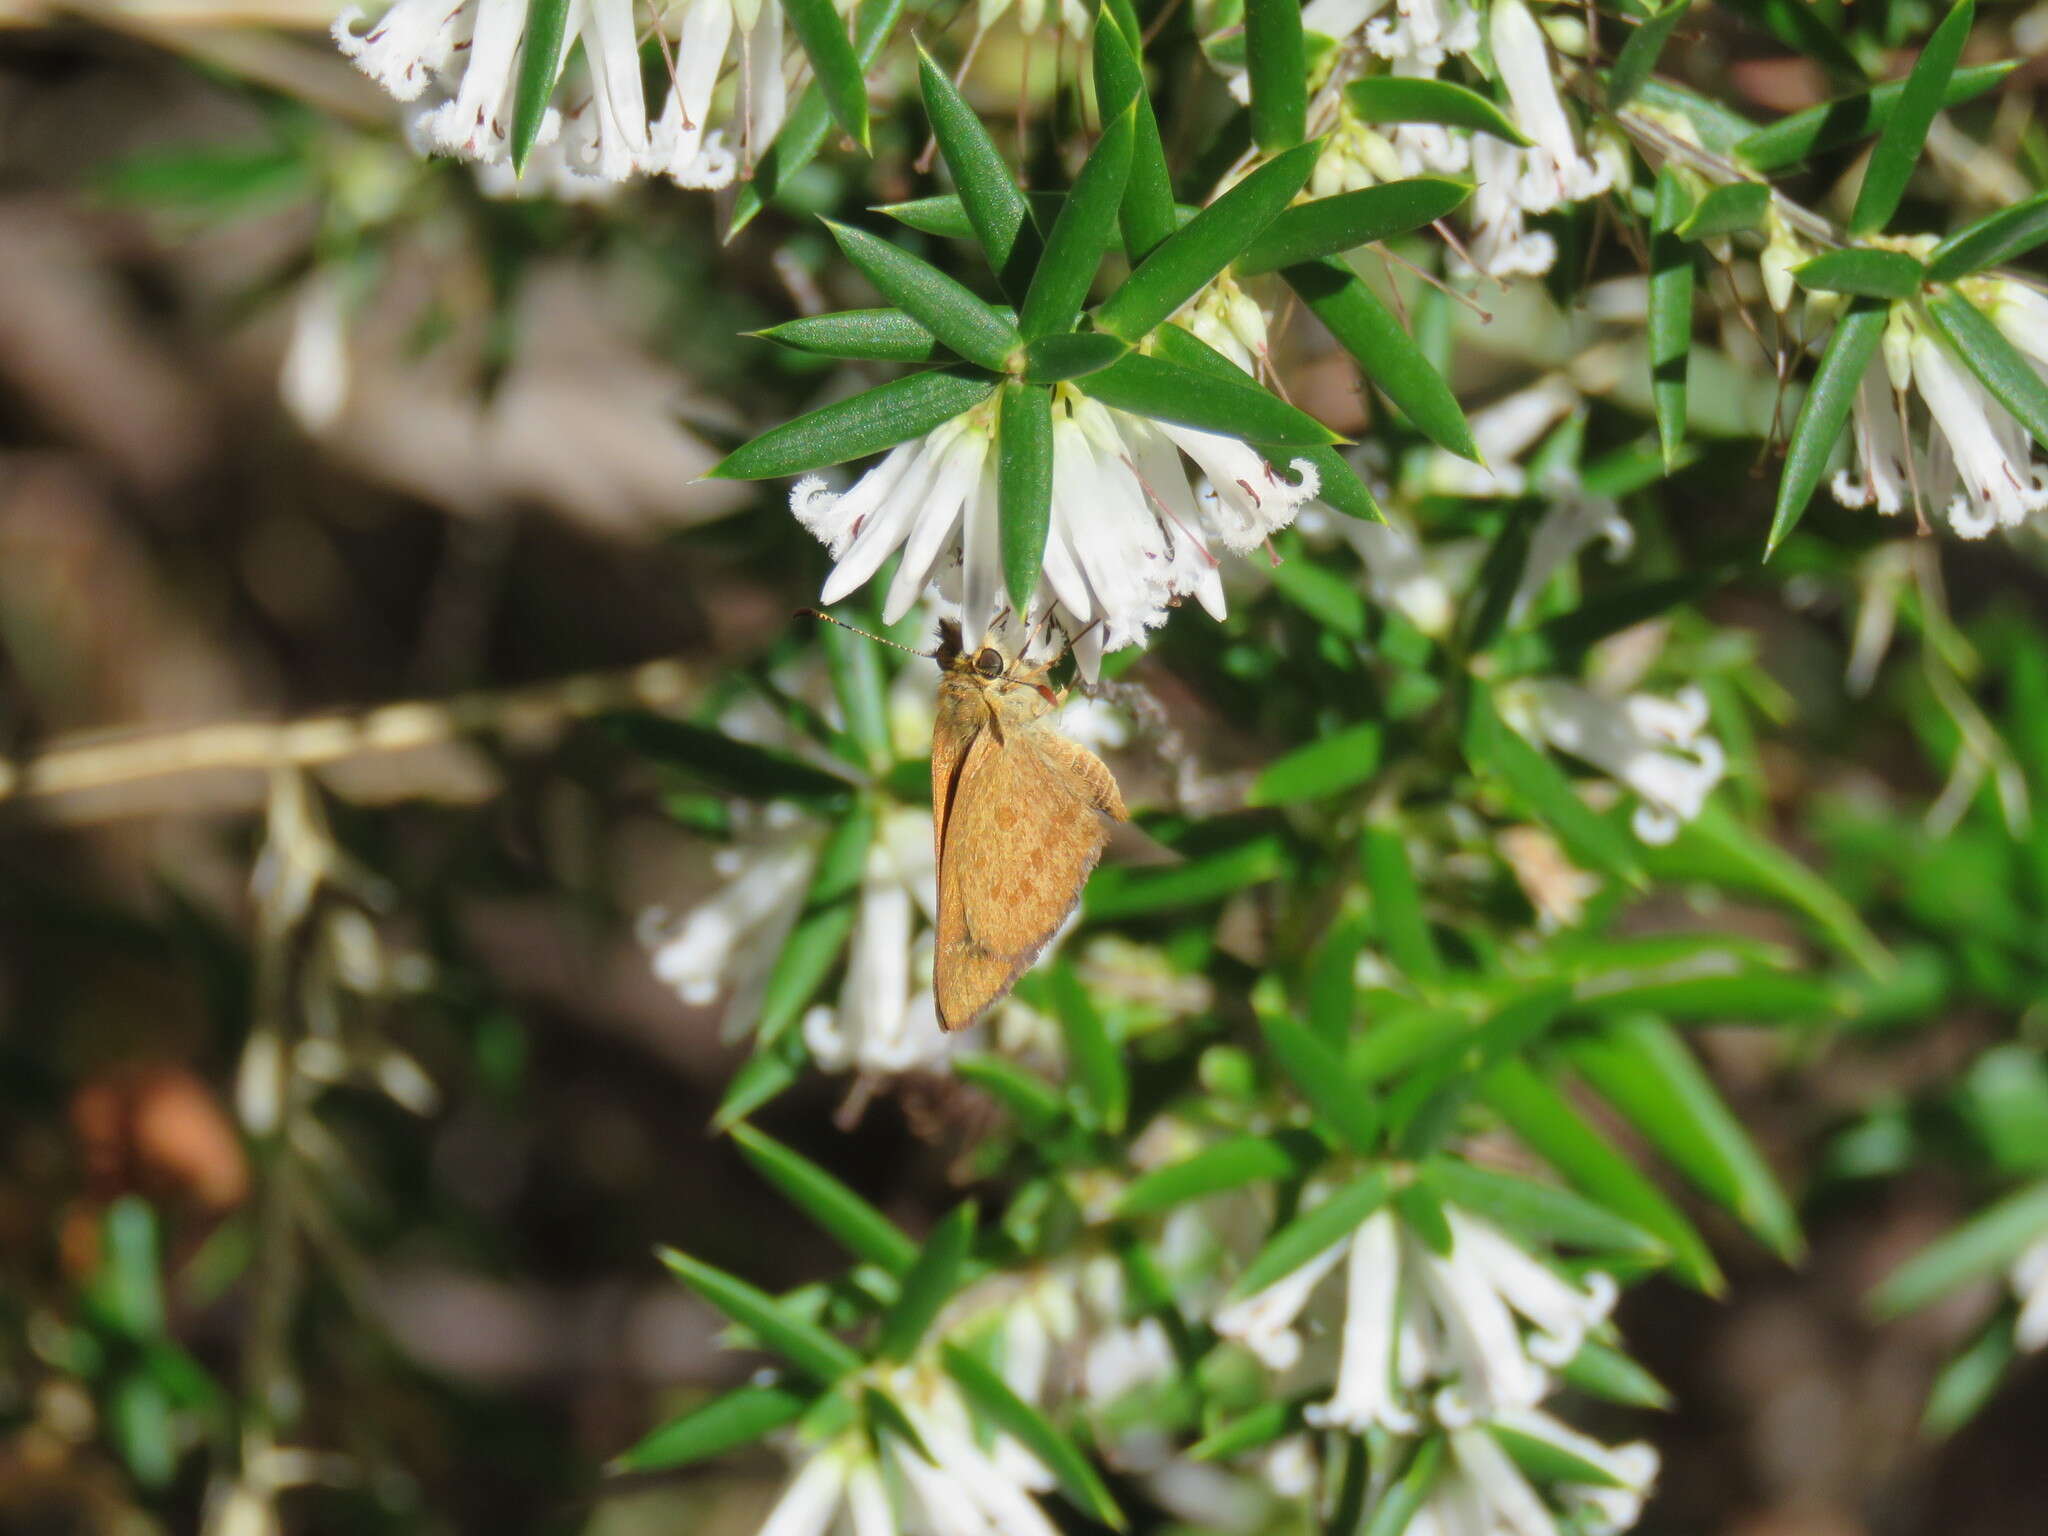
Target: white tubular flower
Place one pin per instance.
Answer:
(685, 147)
(2029, 1276)
(1573, 521)
(1420, 582)
(1502, 246)
(414, 42)
(1882, 472)
(1130, 528)
(2000, 487)
(1481, 1492)
(1504, 431)
(1656, 747)
(1423, 33)
(1554, 171)
(313, 380)
(730, 938)
(1425, 1333)
(2018, 309)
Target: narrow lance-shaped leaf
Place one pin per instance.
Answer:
(1493, 747)
(1073, 251)
(1075, 355)
(1148, 213)
(874, 335)
(991, 1395)
(1997, 363)
(1824, 412)
(1396, 1511)
(1150, 386)
(1726, 210)
(1330, 226)
(1864, 272)
(804, 1345)
(1368, 330)
(1417, 99)
(1397, 904)
(1023, 487)
(1848, 118)
(1905, 135)
(1642, 1068)
(1325, 767)
(540, 65)
(1276, 66)
(1225, 1165)
(941, 304)
(821, 931)
(1671, 284)
(995, 207)
(1638, 56)
(1097, 1067)
(859, 1228)
(822, 33)
(1315, 1231)
(1318, 1072)
(945, 215)
(928, 1284)
(1991, 241)
(1985, 1243)
(726, 1423)
(804, 129)
(1178, 267)
(867, 423)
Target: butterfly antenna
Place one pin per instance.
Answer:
(813, 613)
(1073, 639)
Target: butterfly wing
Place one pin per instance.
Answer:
(1026, 822)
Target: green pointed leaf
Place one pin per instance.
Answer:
(1727, 210)
(1604, 1372)
(1545, 1213)
(1849, 118)
(1670, 338)
(541, 56)
(1397, 915)
(928, 1285)
(1095, 1065)
(857, 1226)
(126, 1292)
(996, 209)
(723, 762)
(1418, 99)
(1718, 129)
(1084, 229)
(1055, 359)
(1983, 1245)
(1034, 1101)
(803, 130)
(1823, 414)
(945, 215)
(867, 423)
(992, 1397)
(771, 1071)
(1905, 134)
(1330, 226)
(1644, 1070)
(1968, 1381)
(1367, 329)
(726, 1423)
(1180, 265)
(1122, 891)
(1318, 1072)
(1148, 212)
(1342, 760)
(1248, 1432)
(1863, 271)
(834, 64)
(948, 309)
(1227, 1165)
(878, 335)
(815, 943)
(855, 663)
(1545, 1462)
(1333, 601)
(1995, 361)
(804, 1345)
(1314, 1232)
(1023, 487)
(1991, 241)
(1276, 65)
(1150, 386)
(1544, 1119)
(1638, 56)
(1401, 1503)
(1497, 750)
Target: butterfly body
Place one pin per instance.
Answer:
(1020, 814)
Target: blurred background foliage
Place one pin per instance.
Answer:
(438, 1269)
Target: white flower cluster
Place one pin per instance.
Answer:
(457, 63)
(1510, 181)
(1131, 528)
(1463, 1342)
(1974, 462)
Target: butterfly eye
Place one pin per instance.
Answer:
(990, 662)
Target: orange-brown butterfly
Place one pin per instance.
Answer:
(1020, 816)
